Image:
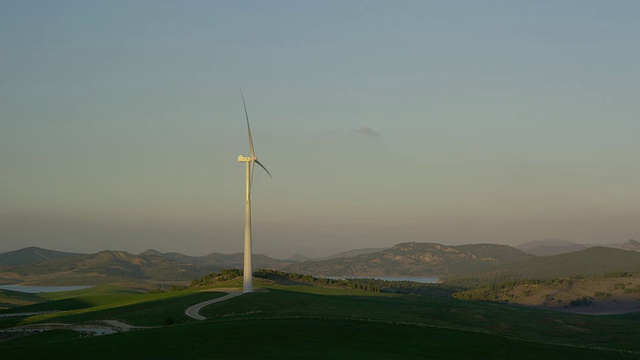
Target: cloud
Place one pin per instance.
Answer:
(363, 131)
(367, 131)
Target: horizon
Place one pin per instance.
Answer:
(380, 122)
(311, 257)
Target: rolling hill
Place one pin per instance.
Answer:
(304, 322)
(60, 268)
(593, 261)
(30, 255)
(550, 247)
(217, 261)
(352, 253)
(631, 245)
(112, 265)
(414, 259)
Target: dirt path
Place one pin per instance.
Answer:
(194, 311)
(108, 327)
(94, 329)
(120, 326)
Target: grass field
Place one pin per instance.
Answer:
(287, 339)
(110, 302)
(308, 322)
(10, 299)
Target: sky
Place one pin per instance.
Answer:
(381, 122)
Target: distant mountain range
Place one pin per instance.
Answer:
(111, 264)
(217, 261)
(414, 259)
(550, 247)
(30, 255)
(594, 261)
(108, 266)
(352, 253)
(556, 247)
(299, 258)
(488, 262)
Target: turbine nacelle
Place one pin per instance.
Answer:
(242, 158)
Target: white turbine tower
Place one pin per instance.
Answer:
(247, 286)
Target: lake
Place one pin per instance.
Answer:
(40, 289)
(426, 280)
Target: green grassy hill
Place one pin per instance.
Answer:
(113, 302)
(309, 322)
(415, 259)
(11, 299)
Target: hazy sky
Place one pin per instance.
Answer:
(381, 122)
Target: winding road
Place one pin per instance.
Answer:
(194, 311)
(110, 326)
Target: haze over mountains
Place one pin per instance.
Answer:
(550, 247)
(555, 247)
(487, 261)
(37, 265)
(592, 261)
(413, 259)
(31, 255)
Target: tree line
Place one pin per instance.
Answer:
(286, 278)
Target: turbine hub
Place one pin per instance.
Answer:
(242, 158)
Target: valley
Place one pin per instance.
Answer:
(578, 305)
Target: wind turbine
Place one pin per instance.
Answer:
(247, 286)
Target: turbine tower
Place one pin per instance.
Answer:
(247, 286)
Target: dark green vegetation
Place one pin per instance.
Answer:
(505, 292)
(312, 322)
(596, 279)
(9, 299)
(273, 277)
(214, 278)
(303, 338)
(415, 259)
(617, 291)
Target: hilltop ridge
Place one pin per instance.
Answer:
(32, 254)
(414, 259)
(115, 265)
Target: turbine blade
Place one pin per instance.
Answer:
(251, 176)
(265, 169)
(246, 114)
